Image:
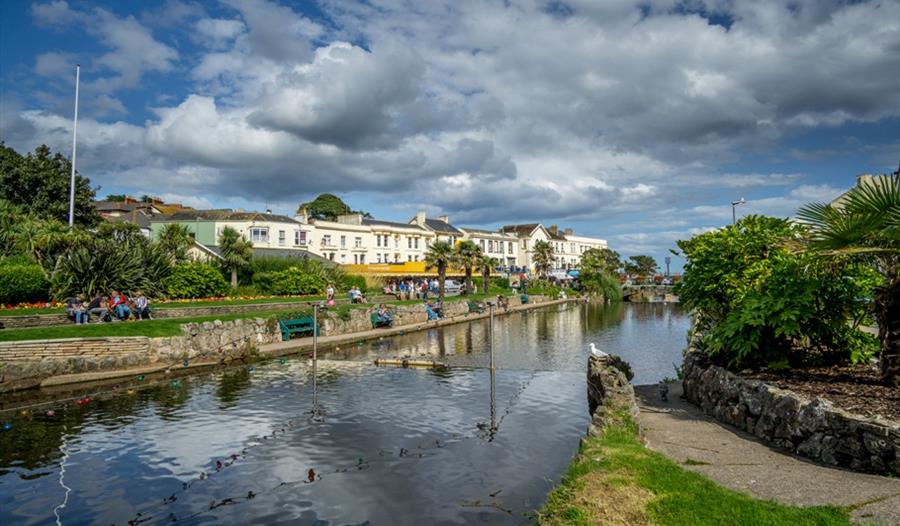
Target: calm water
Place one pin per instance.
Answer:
(388, 446)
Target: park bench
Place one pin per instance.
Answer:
(298, 326)
(377, 322)
(524, 298)
(475, 307)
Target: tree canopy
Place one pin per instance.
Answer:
(39, 183)
(641, 265)
(328, 207)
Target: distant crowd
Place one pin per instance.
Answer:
(412, 288)
(115, 307)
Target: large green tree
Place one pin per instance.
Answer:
(39, 183)
(438, 257)
(596, 259)
(599, 267)
(328, 207)
(236, 252)
(865, 227)
(543, 257)
(641, 265)
(466, 254)
(486, 264)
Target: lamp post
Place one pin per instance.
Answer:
(740, 201)
(74, 144)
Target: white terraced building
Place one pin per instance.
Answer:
(353, 239)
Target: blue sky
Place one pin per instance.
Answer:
(638, 122)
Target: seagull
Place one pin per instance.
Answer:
(597, 352)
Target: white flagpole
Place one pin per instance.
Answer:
(74, 144)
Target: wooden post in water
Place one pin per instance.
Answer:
(493, 369)
(315, 358)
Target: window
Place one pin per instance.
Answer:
(362, 259)
(378, 258)
(343, 241)
(408, 242)
(409, 257)
(331, 256)
(259, 235)
(396, 241)
(357, 242)
(281, 237)
(355, 259)
(572, 245)
(378, 240)
(299, 237)
(510, 248)
(490, 246)
(326, 240)
(343, 258)
(416, 244)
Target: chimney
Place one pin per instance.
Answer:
(445, 219)
(568, 231)
(269, 211)
(420, 218)
(302, 215)
(350, 219)
(553, 229)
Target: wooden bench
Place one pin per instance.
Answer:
(298, 326)
(475, 307)
(377, 322)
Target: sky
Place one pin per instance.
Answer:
(635, 121)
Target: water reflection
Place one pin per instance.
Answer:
(392, 446)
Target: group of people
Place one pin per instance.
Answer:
(408, 289)
(115, 307)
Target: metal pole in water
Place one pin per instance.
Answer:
(315, 358)
(493, 370)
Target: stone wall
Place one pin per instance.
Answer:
(608, 392)
(811, 428)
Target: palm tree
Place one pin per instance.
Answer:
(175, 239)
(486, 264)
(543, 257)
(439, 256)
(865, 226)
(236, 252)
(466, 255)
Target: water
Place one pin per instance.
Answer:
(389, 447)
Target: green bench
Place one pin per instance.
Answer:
(377, 322)
(475, 307)
(298, 326)
(524, 298)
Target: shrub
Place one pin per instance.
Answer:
(196, 280)
(351, 280)
(292, 281)
(22, 282)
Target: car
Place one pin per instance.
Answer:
(451, 286)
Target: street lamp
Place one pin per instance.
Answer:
(740, 201)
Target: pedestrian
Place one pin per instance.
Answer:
(329, 295)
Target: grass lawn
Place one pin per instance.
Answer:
(170, 326)
(177, 304)
(616, 480)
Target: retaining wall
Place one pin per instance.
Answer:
(811, 428)
(609, 391)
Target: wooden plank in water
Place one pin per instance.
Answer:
(411, 363)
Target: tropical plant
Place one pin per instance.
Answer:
(438, 257)
(22, 281)
(175, 240)
(486, 264)
(760, 303)
(195, 280)
(236, 252)
(543, 258)
(467, 254)
(864, 226)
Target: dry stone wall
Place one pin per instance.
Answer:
(608, 392)
(811, 428)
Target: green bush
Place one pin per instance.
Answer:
(196, 280)
(542, 287)
(292, 281)
(760, 302)
(22, 282)
(352, 280)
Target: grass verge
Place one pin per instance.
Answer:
(615, 480)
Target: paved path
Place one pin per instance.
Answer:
(739, 461)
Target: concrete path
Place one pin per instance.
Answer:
(739, 461)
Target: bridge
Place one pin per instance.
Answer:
(649, 294)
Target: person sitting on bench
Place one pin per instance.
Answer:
(384, 315)
(118, 303)
(75, 310)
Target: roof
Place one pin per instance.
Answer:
(138, 217)
(485, 232)
(378, 222)
(277, 253)
(439, 226)
(520, 230)
(226, 215)
(557, 236)
(109, 206)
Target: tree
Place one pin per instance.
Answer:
(439, 257)
(39, 183)
(116, 198)
(543, 257)
(865, 227)
(466, 254)
(641, 266)
(599, 267)
(328, 207)
(236, 252)
(486, 264)
(597, 259)
(174, 240)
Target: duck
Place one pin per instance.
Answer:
(597, 352)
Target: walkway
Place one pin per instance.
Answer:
(737, 460)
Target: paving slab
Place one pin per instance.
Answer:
(740, 461)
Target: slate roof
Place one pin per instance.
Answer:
(227, 215)
(278, 253)
(520, 230)
(138, 217)
(377, 222)
(437, 225)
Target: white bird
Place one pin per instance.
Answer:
(597, 352)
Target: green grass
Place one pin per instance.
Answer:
(616, 480)
(177, 305)
(171, 326)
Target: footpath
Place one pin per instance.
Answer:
(737, 460)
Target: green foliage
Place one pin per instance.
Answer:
(595, 260)
(641, 266)
(542, 287)
(327, 207)
(292, 281)
(236, 252)
(175, 240)
(195, 280)
(467, 254)
(116, 198)
(761, 303)
(22, 282)
(39, 183)
(543, 257)
(438, 257)
(352, 280)
(602, 283)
